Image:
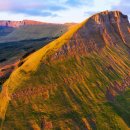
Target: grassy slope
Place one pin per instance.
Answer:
(76, 101)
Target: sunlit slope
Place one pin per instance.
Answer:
(31, 64)
(68, 92)
(80, 81)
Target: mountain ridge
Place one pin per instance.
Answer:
(17, 24)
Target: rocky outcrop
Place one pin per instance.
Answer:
(113, 24)
(114, 89)
(33, 92)
(46, 125)
(15, 24)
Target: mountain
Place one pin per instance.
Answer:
(16, 24)
(12, 31)
(79, 81)
(6, 26)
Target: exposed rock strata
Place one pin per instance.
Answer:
(103, 29)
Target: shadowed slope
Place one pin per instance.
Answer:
(75, 82)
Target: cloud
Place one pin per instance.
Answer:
(90, 13)
(59, 10)
(47, 8)
(74, 2)
(123, 6)
(102, 6)
(56, 8)
(31, 7)
(77, 3)
(34, 12)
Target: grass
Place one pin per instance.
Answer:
(71, 101)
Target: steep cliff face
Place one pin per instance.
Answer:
(100, 30)
(77, 82)
(113, 24)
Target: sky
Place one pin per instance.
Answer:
(58, 11)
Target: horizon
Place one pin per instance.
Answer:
(35, 20)
(60, 11)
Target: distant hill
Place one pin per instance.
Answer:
(80, 81)
(27, 29)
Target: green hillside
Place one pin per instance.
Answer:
(80, 81)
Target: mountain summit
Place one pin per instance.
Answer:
(98, 31)
(79, 81)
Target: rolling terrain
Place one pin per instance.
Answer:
(18, 39)
(80, 81)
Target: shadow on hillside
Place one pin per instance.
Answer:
(121, 106)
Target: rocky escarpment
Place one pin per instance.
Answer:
(103, 29)
(15, 24)
(113, 25)
(115, 89)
